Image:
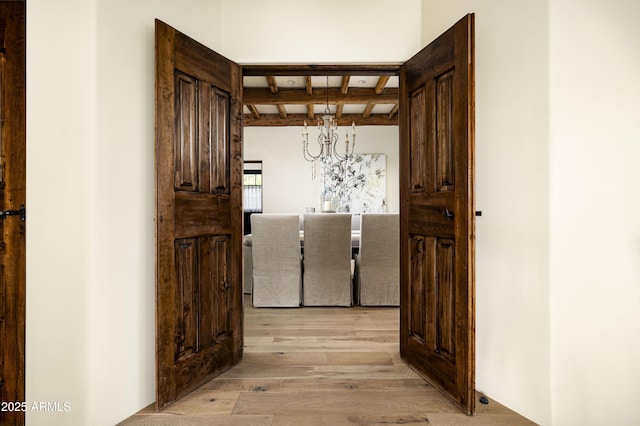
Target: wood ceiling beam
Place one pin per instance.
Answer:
(394, 111)
(262, 96)
(281, 97)
(308, 86)
(382, 81)
(273, 85)
(282, 110)
(298, 70)
(272, 120)
(368, 109)
(345, 84)
(254, 111)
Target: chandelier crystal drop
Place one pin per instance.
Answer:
(327, 152)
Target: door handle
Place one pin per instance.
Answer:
(22, 212)
(449, 215)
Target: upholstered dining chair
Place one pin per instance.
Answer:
(327, 260)
(275, 251)
(377, 273)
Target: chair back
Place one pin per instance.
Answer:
(276, 260)
(378, 260)
(327, 260)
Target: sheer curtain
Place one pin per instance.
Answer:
(252, 198)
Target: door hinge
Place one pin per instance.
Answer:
(22, 212)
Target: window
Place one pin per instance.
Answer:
(251, 191)
(252, 186)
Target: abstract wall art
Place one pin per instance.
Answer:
(356, 186)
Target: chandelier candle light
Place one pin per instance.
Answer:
(327, 142)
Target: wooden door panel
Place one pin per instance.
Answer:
(212, 295)
(202, 214)
(187, 280)
(198, 213)
(202, 114)
(433, 278)
(220, 252)
(187, 137)
(444, 156)
(202, 271)
(417, 327)
(444, 286)
(219, 160)
(12, 196)
(437, 213)
(418, 169)
(210, 277)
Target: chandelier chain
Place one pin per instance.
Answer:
(328, 140)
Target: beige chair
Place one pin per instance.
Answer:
(277, 269)
(377, 274)
(327, 260)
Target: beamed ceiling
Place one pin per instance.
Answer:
(366, 95)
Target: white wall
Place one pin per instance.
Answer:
(512, 254)
(288, 184)
(595, 225)
(90, 239)
(334, 31)
(61, 129)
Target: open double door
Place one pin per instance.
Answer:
(199, 329)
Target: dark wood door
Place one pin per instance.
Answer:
(437, 213)
(12, 196)
(198, 214)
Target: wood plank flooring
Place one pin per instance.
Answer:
(321, 366)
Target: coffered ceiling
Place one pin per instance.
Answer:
(290, 95)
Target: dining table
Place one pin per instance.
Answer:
(355, 241)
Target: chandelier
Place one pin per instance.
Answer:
(327, 152)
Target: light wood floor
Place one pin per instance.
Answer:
(321, 366)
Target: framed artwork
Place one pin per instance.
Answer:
(358, 185)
